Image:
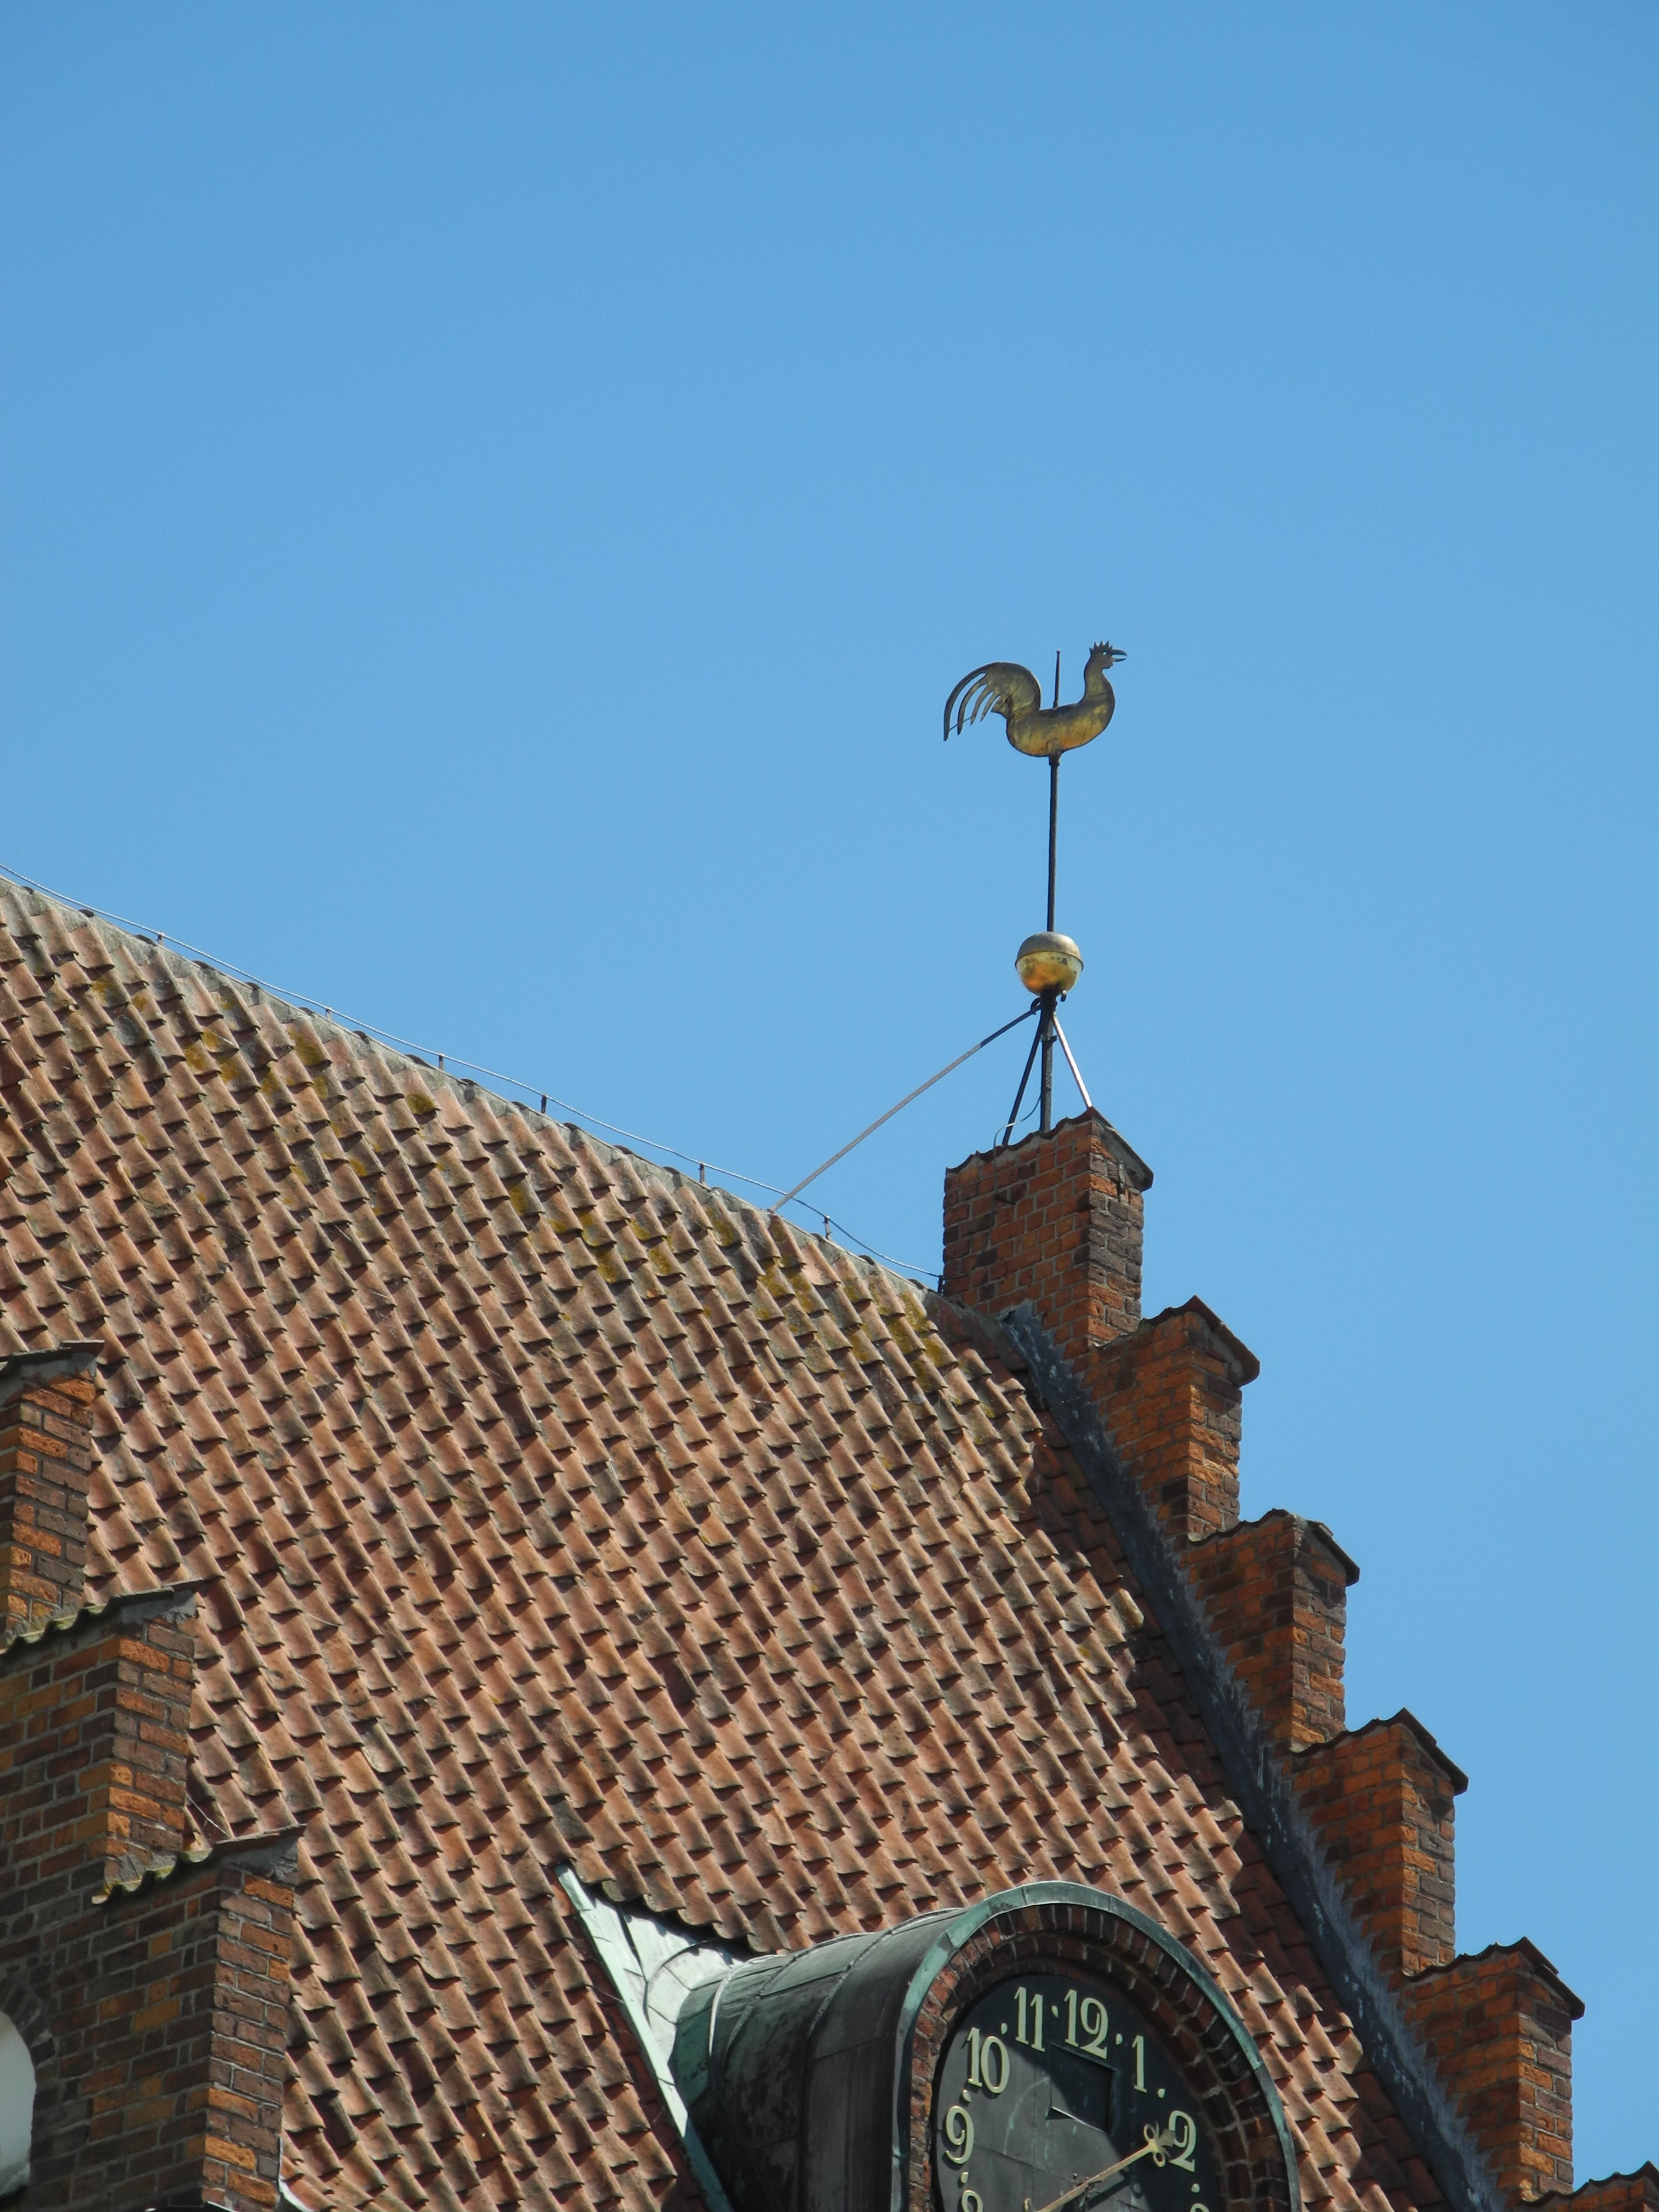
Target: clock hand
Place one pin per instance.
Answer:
(1153, 2148)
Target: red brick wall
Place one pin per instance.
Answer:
(45, 1463)
(1381, 1801)
(95, 1736)
(161, 2071)
(1498, 2027)
(1276, 1593)
(1057, 1219)
(1169, 1395)
(150, 1983)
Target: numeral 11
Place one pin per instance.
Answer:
(1034, 2038)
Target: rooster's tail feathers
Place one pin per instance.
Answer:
(1001, 687)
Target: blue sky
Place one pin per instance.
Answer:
(494, 499)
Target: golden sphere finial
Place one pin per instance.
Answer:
(1049, 962)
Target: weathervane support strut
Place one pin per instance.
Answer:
(1025, 1077)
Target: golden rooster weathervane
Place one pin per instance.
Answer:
(1048, 964)
(1003, 687)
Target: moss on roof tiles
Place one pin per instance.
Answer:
(556, 1507)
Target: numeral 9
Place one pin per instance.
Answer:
(958, 2135)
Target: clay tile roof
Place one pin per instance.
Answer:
(548, 1510)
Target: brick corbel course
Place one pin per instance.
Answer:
(45, 1463)
(1498, 2028)
(1617, 2192)
(1381, 1799)
(1168, 1393)
(1275, 1592)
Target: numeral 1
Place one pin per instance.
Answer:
(1140, 2062)
(974, 2081)
(1071, 2018)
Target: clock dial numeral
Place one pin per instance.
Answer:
(1183, 2139)
(988, 2062)
(959, 2136)
(1049, 2084)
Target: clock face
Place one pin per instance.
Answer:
(1048, 2083)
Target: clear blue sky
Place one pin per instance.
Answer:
(495, 498)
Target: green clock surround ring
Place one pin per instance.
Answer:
(1051, 2032)
(825, 2080)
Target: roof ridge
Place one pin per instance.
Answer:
(401, 1053)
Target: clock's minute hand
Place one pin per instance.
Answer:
(1153, 2148)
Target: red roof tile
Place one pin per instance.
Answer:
(550, 1509)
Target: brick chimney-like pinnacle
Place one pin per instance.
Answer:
(1057, 1221)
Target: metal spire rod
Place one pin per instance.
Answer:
(1054, 830)
(1053, 804)
(1046, 1026)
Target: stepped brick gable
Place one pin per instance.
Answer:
(417, 1518)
